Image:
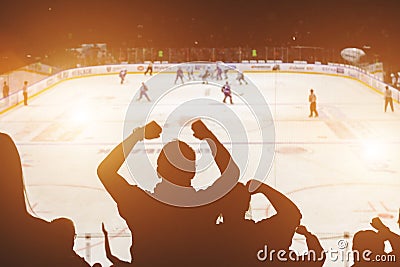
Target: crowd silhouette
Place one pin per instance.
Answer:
(373, 242)
(175, 225)
(27, 240)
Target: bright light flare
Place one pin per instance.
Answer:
(374, 150)
(80, 115)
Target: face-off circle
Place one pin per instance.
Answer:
(185, 93)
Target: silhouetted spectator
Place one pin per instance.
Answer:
(369, 246)
(315, 253)
(115, 261)
(25, 240)
(367, 240)
(160, 224)
(63, 237)
(20, 232)
(241, 239)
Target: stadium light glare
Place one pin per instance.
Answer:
(373, 150)
(80, 115)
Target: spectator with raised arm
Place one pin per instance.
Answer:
(175, 215)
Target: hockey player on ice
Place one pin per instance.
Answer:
(149, 69)
(225, 70)
(189, 70)
(218, 70)
(226, 89)
(210, 71)
(122, 75)
(204, 76)
(143, 92)
(179, 74)
(240, 78)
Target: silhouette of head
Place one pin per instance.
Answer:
(368, 240)
(176, 163)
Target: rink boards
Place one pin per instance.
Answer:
(340, 169)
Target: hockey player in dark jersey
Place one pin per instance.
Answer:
(226, 89)
(122, 75)
(205, 75)
(179, 74)
(149, 69)
(219, 72)
(143, 92)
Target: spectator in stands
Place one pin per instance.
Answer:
(240, 238)
(115, 261)
(6, 90)
(369, 246)
(169, 227)
(314, 249)
(25, 92)
(235, 242)
(18, 230)
(314, 257)
(27, 240)
(63, 238)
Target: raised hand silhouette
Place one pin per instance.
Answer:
(175, 214)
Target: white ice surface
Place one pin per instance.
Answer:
(341, 169)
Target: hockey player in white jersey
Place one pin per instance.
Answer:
(240, 78)
(190, 70)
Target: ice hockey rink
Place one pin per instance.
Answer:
(341, 169)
